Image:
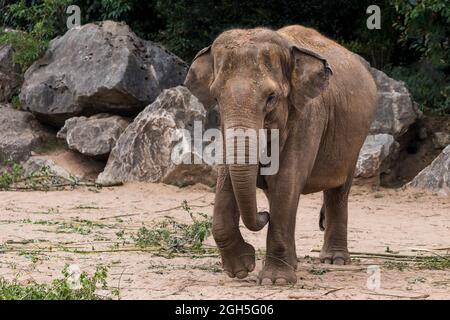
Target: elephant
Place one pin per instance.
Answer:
(322, 99)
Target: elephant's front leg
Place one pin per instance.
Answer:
(281, 259)
(238, 257)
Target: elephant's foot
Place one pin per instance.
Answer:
(335, 256)
(278, 272)
(238, 259)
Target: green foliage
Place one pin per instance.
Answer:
(43, 19)
(429, 87)
(318, 271)
(11, 175)
(35, 23)
(27, 48)
(435, 263)
(425, 29)
(411, 45)
(13, 178)
(173, 237)
(59, 289)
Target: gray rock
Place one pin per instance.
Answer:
(435, 177)
(423, 134)
(94, 136)
(20, 134)
(143, 151)
(37, 165)
(95, 68)
(375, 155)
(441, 139)
(396, 110)
(10, 74)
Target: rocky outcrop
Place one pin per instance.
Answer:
(10, 74)
(375, 155)
(20, 134)
(441, 139)
(435, 177)
(94, 136)
(396, 110)
(39, 165)
(144, 151)
(95, 68)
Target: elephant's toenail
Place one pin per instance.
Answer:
(281, 281)
(265, 281)
(339, 261)
(251, 267)
(241, 274)
(327, 260)
(230, 274)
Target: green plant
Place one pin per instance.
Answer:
(172, 237)
(318, 271)
(80, 226)
(35, 24)
(58, 289)
(429, 86)
(424, 28)
(435, 263)
(398, 265)
(10, 175)
(27, 48)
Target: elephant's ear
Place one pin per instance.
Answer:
(200, 77)
(309, 77)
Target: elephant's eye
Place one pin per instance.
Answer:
(270, 100)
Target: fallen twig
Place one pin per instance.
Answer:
(333, 290)
(404, 257)
(422, 296)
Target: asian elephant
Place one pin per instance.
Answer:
(321, 98)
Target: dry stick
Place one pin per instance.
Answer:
(431, 251)
(111, 251)
(70, 182)
(118, 285)
(159, 211)
(333, 290)
(383, 255)
(423, 296)
(425, 249)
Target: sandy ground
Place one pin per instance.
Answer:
(398, 219)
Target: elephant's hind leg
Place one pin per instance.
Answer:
(335, 217)
(238, 257)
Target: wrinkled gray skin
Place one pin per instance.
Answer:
(322, 99)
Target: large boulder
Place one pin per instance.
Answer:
(396, 110)
(10, 74)
(375, 155)
(435, 177)
(441, 139)
(94, 136)
(143, 152)
(20, 134)
(41, 165)
(95, 68)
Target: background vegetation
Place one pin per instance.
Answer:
(412, 44)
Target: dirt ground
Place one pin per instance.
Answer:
(35, 246)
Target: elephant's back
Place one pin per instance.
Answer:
(351, 79)
(341, 60)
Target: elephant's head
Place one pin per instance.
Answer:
(256, 77)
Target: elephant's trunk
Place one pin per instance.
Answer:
(243, 178)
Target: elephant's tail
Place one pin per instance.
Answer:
(322, 219)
